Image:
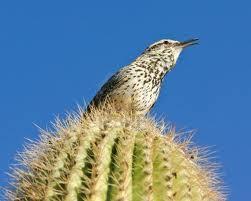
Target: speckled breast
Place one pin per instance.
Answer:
(136, 95)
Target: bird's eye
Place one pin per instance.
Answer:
(166, 42)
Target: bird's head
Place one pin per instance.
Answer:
(168, 50)
(167, 46)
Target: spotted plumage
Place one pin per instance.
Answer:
(136, 87)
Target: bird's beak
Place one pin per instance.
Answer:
(189, 42)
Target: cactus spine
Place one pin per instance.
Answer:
(111, 156)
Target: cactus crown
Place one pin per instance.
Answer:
(112, 156)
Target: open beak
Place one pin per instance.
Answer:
(189, 42)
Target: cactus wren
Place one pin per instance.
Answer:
(137, 86)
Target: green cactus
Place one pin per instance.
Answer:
(112, 156)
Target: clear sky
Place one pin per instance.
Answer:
(55, 54)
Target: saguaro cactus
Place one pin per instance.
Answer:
(112, 156)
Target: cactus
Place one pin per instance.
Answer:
(107, 155)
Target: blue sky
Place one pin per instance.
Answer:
(54, 54)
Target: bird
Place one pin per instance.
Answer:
(136, 87)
